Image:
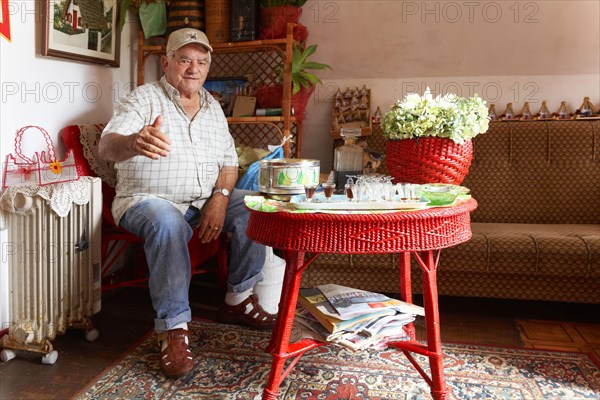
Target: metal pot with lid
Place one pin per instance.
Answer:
(287, 176)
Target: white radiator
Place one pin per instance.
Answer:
(54, 272)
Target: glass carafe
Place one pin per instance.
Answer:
(348, 158)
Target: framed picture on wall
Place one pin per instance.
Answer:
(82, 30)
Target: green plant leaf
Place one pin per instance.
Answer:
(300, 77)
(124, 6)
(313, 79)
(315, 65)
(309, 51)
(295, 87)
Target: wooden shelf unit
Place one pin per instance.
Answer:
(261, 58)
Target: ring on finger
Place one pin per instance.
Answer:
(216, 228)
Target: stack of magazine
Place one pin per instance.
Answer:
(353, 318)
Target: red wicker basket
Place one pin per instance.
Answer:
(428, 160)
(274, 20)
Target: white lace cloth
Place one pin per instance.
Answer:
(89, 138)
(59, 196)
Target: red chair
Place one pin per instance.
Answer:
(115, 240)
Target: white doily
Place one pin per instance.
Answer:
(89, 137)
(59, 196)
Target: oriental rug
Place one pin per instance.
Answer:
(230, 363)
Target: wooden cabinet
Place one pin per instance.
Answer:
(264, 59)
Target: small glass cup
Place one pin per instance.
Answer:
(349, 188)
(389, 191)
(328, 189)
(404, 190)
(359, 190)
(309, 190)
(417, 192)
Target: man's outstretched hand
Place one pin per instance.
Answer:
(151, 142)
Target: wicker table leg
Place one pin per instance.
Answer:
(406, 289)
(439, 389)
(280, 338)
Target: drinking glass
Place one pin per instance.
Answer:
(404, 190)
(328, 189)
(417, 192)
(374, 193)
(359, 190)
(389, 190)
(309, 190)
(349, 188)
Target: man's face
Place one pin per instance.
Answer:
(187, 69)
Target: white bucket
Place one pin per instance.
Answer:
(269, 289)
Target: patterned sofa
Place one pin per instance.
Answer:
(536, 231)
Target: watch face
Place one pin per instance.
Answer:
(223, 191)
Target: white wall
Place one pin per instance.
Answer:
(505, 51)
(51, 93)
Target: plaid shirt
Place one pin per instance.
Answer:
(200, 148)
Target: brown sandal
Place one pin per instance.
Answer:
(176, 359)
(256, 318)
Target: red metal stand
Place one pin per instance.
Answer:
(420, 233)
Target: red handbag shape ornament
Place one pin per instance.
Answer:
(43, 169)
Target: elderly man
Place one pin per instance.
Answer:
(177, 168)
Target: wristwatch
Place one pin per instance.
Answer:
(223, 191)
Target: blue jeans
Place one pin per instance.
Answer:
(166, 233)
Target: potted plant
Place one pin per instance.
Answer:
(429, 140)
(276, 14)
(301, 78)
(303, 81)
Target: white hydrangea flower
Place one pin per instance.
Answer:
(448, 116)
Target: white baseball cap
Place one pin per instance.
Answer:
(184, 36)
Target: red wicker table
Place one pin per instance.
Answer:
(422, 233)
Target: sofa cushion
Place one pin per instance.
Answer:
(537, 172)
(516, 286)
(539, 249)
